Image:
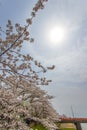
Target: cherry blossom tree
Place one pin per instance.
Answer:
(20, 96)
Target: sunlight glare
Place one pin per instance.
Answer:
(56, 35)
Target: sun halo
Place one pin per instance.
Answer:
(56, 35)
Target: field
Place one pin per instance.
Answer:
(40, 127)
(67, 129)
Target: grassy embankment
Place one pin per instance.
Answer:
(40, 127)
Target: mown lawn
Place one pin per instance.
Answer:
(67, 129)
(40, 127)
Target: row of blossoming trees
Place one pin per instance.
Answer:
(20, 96)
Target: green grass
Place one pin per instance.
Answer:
(67, 129)
(38, 126)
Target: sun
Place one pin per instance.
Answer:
(56, 35)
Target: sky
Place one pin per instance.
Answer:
(69, 78)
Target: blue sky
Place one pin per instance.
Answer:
(70, 75)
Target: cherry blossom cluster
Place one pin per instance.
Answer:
(12, 60)
(20, 96)
(20, 100)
